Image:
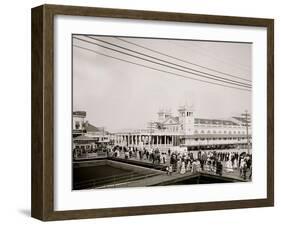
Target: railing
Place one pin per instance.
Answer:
(126, 182)
(210, 169)
(125, 178)
(111, 181)
(90, 156)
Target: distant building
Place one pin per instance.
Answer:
(87, 136)
(186, 130)
(78, 123)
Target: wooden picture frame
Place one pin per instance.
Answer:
(42, 203)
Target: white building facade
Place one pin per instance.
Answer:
(185, 130)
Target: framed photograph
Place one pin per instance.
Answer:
(142, 112)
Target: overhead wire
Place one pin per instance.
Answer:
(182, 60)
(172, 67)
(159, 70)
(155, 58)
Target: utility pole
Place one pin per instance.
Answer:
(247, 131)
(150, 131)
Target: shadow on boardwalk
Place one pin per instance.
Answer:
(175, 177)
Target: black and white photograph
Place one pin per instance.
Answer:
(158, 111)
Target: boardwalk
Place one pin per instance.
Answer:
(235, 174)
(164, 179)
(160, 177)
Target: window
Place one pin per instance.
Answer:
(77, 125)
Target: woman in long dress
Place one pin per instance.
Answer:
(198, 166)
(229, 166)
(182, 168)
(193, 167)
(188, 165)
(178, 166)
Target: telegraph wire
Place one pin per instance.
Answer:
(155, 58)
(159, 70)
(184, 61)
(224, 60)
(128, 54)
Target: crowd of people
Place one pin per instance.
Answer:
(212, 161)
(150, 154)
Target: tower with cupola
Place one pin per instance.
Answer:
(186, 119)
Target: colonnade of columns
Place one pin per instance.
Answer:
(135, 140)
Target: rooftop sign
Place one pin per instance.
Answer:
(79, 113)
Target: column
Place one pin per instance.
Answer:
(157, 140)
(139, 139)
(134, 140)
(170, 140)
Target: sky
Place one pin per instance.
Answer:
(120, 95)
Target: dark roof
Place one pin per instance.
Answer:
(79, 113)
(241, 119)
(93, 129)
(90, 128)
(214, 121)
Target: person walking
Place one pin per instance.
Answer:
(170, 170)
(183, 170)
(219, 168)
